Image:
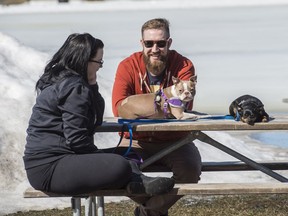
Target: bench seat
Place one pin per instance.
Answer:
(185, 189)
(226, 166)
(94, 201)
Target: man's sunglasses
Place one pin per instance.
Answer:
(150, 43)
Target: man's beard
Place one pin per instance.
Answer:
(157, 67)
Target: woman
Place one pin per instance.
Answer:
(60, 155)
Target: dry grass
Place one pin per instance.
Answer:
(256, 205)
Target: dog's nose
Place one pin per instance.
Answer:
(187, 93)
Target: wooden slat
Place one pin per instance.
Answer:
(187, 189)
(231, 188)
(225, 166)
(109, 126)
(241, 166)
(278, 123)
(212, 125)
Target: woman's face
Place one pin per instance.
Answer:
(94, 65)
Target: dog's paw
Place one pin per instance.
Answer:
(204, 116)
(265, 119)
(189, 116)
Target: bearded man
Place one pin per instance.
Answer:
(147, 72)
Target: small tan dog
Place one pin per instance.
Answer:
(167, 103)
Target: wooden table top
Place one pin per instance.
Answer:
(279, 122)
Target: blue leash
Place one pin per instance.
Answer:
(215, 117)
(237, 116)
(127, 123)
(130, 137)
(227, 117)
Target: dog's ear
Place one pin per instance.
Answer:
(175, 80)
(194, 79)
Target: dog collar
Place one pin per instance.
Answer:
(165, 105)
(237, 118)
(158, 95)
(175, 102)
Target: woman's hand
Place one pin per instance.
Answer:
(92, 77)
(94, 65)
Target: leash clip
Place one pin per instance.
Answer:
(237, 118)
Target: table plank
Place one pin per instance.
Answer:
(185, 189)
(278, 123)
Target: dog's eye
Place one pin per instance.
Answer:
(240, 111)
(246, 114)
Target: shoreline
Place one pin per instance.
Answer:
(45, 6)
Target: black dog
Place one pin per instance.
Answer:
(248, 109)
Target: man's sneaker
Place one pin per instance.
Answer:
(137, 212)
(151, 185)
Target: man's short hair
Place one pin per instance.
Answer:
(158, 23)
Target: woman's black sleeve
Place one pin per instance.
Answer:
(99, 105)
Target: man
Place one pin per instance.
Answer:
(146, 72)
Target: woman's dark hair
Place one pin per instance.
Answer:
(71, 58)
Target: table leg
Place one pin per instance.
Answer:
(167, 150)
(206, 139)
(100, 205)
(76, 206)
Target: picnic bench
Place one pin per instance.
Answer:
(94, 201)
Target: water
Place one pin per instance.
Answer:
(236, 50)
(278, 138)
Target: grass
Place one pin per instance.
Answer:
(244, 205)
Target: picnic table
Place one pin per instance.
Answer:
(197, 131)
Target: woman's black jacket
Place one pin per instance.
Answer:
(63, 121)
